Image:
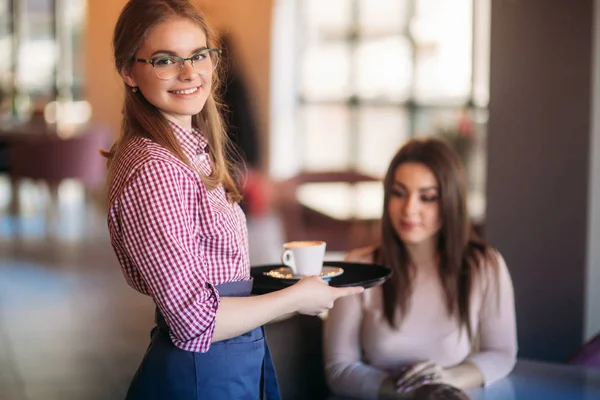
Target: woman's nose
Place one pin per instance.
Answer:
(411, 206)
(187, 70)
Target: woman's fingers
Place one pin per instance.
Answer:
(418, 375)
(346, 291)
(414, 371)
(420, 381)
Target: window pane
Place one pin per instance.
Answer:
(333, 199)
(341, 200)
(70, 38)
(369, 200)
(383, 16)
(443, 38)
(435, 121)
(333, 17)
(383, 68)
(326, 72)
(37, 53)
(382, 132)
(481, 57)
(4, 15)
(326, 137)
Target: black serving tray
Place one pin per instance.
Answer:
(355, 274)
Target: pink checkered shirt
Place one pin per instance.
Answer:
(176, 240)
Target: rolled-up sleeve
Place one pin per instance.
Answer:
(158, 216)
(497, 327)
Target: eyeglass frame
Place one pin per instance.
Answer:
(151, 61)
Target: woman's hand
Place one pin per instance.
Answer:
(418, 375)
(314, 295)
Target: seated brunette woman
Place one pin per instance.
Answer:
(447, 313)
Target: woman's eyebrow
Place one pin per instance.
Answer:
(172, 53)
(423, 189)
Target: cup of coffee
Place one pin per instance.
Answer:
(304, 258)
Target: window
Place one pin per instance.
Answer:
(41, 43)
(353, 79)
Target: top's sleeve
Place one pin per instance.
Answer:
(497, 354)
(159, 227)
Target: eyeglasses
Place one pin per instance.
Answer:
(169, 67)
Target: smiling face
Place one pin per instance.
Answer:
(414, 205)
(185, 95)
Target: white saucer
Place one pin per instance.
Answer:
(286, 273)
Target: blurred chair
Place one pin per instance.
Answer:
(303, 223)
(589, 354)
(50, 159)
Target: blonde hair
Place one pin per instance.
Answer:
(140, 118)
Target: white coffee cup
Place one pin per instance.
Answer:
(304, 258)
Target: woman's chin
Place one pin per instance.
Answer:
(410, 237)
(414, 239)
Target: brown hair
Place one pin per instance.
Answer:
(461, 253)
(140, 118)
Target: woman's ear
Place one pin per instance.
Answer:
(128, 77)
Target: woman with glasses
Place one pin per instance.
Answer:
(447, 315)
(174, 221)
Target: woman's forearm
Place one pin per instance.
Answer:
(237, 315)
(311, 296)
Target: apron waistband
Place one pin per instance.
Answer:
(235, 289)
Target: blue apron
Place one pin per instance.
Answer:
(236, 368)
